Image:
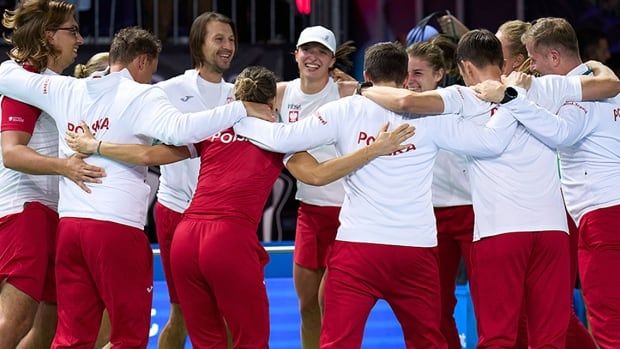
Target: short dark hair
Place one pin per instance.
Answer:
(386, 62)
(198, 33)
(131, 42)
(480, 47)
(255, 84)
(551, 32)
(29, 22)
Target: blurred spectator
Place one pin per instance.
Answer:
(165, 11)
(593, 45)
(420, 34)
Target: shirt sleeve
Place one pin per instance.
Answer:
(453, 99)
(18, 116)
(156, 117)
(552, 91)
(319, 129)
(41, 91)
(567, 128)
(465, 136)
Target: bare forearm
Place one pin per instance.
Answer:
(306, 169)
(402, 100)
(599, 87)
(144, 155)
(25, 159)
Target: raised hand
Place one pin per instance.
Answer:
(518, 79)
(84, 143)
(388, 142)
(490, 91)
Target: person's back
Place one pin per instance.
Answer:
(524, 178)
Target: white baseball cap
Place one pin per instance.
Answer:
(318, 34)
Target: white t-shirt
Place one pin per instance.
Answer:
(587, 135)
(17, 188)
(188, 93)
(387, 201)
(519, 190)
(297, 105)
(118, 110)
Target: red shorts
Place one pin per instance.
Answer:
(166, 221)
(315, 234)
(28, 241)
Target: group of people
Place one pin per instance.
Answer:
(398, 178)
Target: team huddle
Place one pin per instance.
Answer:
(398, 179)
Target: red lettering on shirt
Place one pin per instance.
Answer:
(364, 138)
(99, 124)
(321, 118)
(46, 85)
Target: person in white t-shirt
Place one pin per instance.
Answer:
(451, 193)
(29, 169)
(516, 58)
(100, 235)
(520, 242)
(387, 223)
(212, 44)
(587, 137)
(317, 218)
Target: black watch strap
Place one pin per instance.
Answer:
(509, 94)
(361, 86)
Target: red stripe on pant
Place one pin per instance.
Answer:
(455, 228)
(361, 273)
(217, 266)
(515, 270)
(599, 270)
(99, 265)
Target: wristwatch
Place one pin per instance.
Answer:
(509, 94)
(361, 86)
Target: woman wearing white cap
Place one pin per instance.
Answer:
(317, 219)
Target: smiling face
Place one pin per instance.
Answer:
(218, 48)
(421, 76)
(541, 59)
(314, 60)
(66, 39)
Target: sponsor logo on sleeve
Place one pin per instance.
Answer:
(46, 86)
(616, 114)
(321, 118)
(16, 119)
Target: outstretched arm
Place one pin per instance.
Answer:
(603, 84)
(570, 125)
(307, 169)
(405, 101)
(41, 91)
(137, 154)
